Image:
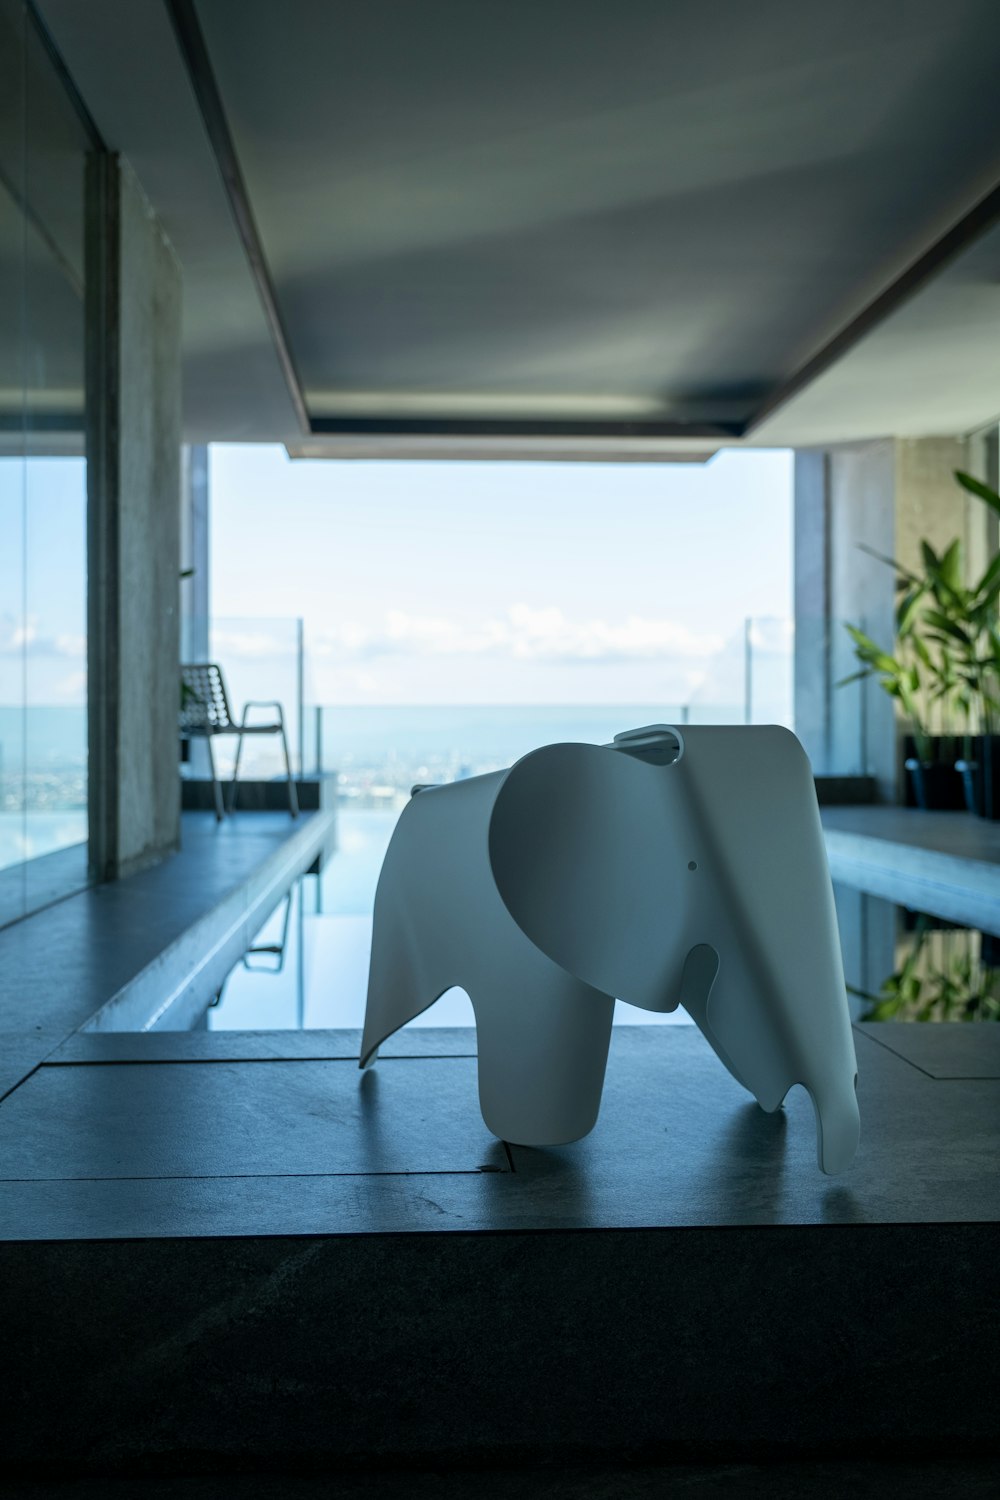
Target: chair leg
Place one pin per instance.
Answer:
(236, 772)
(220, 811)
(293, 796)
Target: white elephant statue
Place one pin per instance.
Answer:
(672, 867)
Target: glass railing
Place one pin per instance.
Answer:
(262, 660)
(43, 780)
(379, 751)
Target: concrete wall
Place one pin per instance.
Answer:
(861, 513)
(133, 445)
(194, 591)
(929, 504)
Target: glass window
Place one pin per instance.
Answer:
(43, 490)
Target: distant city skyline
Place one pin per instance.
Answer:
(519, 583)
(43, 611)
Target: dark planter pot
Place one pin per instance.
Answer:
(934, 785)
(980, 772)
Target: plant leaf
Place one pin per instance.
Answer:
(988, 586)
(931, 560)
(941, 621)
(891, 562)
(976, 487)
(908, 611)
(951, 566)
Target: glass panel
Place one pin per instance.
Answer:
(43, 817)
(12, 464)
(262, 662)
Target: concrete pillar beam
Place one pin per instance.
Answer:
(133, 487)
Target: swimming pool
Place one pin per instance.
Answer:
(308, 965)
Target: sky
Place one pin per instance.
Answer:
(43, 581)
(489, 583)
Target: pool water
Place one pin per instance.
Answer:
(308, 966)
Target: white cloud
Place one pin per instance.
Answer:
(16, 638)
(71, 689)
(523, 633)
(255, 645)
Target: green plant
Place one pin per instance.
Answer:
(945, 672)
(942, 978)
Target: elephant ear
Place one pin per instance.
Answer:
(585, 865)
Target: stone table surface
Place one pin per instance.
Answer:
(944, 863)
(279, 1133)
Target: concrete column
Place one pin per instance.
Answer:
(813, 624)
(133, 483)
(887, 495)
(194, 552)
(929, 503)
(861, 504)
(194, 591)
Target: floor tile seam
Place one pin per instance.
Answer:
(962, 1077)
(21, 1081)
(893, 1053)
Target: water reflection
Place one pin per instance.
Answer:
(308, 966)
(902, 965)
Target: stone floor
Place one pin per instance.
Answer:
(238, 1246)
(222, 1250)
(147, 936)
(228, 1133)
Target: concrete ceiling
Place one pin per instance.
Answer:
(608, 216)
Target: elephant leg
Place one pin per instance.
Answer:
(403, 980)
(748, 1025)
(543, 1049)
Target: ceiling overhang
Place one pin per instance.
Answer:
(530, 234)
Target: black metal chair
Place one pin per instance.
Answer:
(205, 713)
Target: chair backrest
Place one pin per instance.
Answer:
(204, 704)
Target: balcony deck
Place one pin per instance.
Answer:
(236, 1245)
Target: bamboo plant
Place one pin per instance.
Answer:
(945, 671)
